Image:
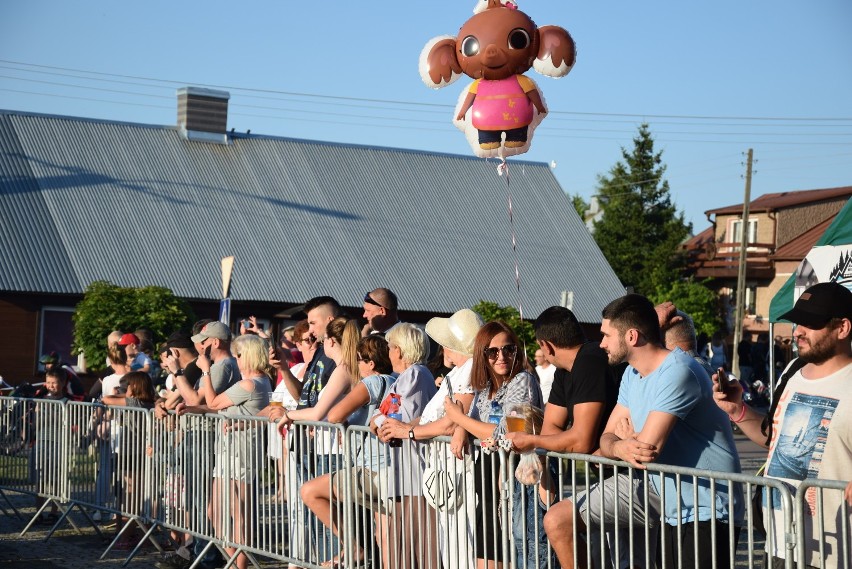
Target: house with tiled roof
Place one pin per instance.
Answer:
(83, 200)
(782, 228)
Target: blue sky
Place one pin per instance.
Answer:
(711, 78)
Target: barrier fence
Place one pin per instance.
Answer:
(322, 492)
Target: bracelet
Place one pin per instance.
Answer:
(739, 419)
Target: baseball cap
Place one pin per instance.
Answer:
(128, 338)
(213, 329)
(819, 304)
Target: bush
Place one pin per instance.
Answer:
(511, 317)
(106, 307)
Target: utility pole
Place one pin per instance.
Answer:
(741, 273)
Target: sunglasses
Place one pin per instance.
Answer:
(369, 300)
(363, 359)
(509, 351)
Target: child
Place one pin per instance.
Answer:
(132, 446)
(48, 440)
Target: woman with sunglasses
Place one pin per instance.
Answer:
(501, 377)
(376, 372)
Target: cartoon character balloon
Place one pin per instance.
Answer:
(502, 107)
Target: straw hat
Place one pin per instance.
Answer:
(456, 332)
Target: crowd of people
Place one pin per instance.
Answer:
(643, 394)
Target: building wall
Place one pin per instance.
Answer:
(795, 220)
(765, 227)
(19, 319)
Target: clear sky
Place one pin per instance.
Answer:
(711, 78)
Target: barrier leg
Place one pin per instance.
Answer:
(11, 505)
(124, 528)
(35, 517)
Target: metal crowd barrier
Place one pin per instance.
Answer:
(236, 485)
(824, 521)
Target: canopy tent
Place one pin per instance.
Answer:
(830, 259)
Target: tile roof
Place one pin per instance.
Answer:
(84, 200)
(769, 202)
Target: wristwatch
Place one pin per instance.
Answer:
(180, 371)
(205, 373)
(411, 434)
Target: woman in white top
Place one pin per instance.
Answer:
(340, 344)
(456, 335)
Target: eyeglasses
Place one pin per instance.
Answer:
(509, 351)
(364, 359)
(369, 300)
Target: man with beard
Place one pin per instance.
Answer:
(809, 428)
(664, 414)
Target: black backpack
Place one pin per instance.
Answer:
(766, 425)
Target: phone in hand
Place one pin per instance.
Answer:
(723, 379)
(207, 351)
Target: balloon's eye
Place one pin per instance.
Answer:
(519, 38)
(470, 46)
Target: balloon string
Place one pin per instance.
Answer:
(503, 168)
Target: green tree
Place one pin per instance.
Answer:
(511, 317)
(696, 299)
(580, 205)
(641, 230)
(106, 307)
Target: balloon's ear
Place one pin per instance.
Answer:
(438, 63)
(556, 53)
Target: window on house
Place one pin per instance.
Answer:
(737, 231)
(57, 333)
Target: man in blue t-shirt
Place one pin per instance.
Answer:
(666, 414)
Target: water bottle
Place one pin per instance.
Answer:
(496, 413)
(394, 413)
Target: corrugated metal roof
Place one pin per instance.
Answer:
(779, 200)
(139, 205)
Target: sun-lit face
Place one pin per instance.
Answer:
(318, 320)
(501, 354)
(816, 345)
(613, 343)
(373, 312)
(540, 360)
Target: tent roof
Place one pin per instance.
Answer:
(838, 233)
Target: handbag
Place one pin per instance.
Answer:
(444, 488)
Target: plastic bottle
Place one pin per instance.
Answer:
(496, 413)
(394, 413)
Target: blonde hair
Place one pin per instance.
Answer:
(253, 351)
(412, 342)
(346, 333)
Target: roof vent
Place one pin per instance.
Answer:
(203, 114)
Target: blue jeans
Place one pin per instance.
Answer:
(317, 536)
(531, 547)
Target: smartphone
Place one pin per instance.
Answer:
(723, 379)
(207, 351)
(246, 324)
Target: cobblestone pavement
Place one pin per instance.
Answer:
(66, 549)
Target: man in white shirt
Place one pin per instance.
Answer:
(545, 371)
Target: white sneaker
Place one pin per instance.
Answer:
(97, 516)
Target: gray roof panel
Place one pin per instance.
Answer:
(140, 205)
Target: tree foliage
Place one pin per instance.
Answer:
(641, 230)
(106, 307)
(510, 316)
(696, 299)
(580, 205)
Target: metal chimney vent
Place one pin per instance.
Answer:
(203, 114)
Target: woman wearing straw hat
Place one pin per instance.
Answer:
(456, 335)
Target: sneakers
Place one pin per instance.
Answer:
(96, 517)
(125, 544)
(173, 561)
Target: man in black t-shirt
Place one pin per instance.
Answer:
(583, 395)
